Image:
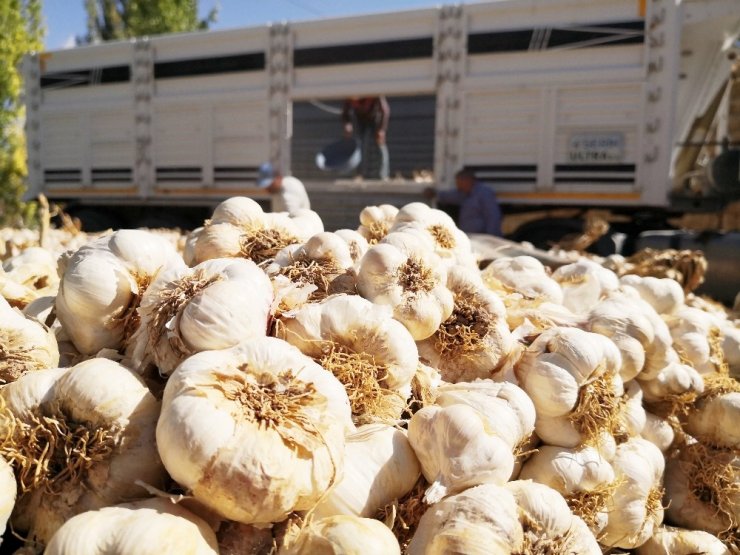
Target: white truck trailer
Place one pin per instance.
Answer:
(554, 102)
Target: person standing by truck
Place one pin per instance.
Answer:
(479, 208)
(288, 193)
(369, 117)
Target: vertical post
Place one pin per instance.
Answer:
(449, 55)
(280, 72)
(32, 101)
(663, 26)
(143, 82)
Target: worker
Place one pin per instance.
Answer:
(371, 115)
(479, 208)
(288, 193)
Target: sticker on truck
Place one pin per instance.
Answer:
(596, 147)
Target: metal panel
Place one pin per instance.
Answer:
(63, 140)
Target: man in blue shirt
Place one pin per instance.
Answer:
(479, 208)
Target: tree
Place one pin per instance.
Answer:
(21, 32)
(122, 19)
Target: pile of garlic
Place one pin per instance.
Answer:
(266, 386)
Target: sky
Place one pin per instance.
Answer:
(66, 19)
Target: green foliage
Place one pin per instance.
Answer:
(21, 32)
(122, 19)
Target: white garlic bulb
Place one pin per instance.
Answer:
(213, 305)
(259, 422)
(98, 420)
(342, 535)
(149, 527)
(401, 272)
(474, 342)
(103, 282)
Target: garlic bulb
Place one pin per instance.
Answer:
(342, 535)
(635, 509)
(582, 475)
(402, 273)
(149, 527)
(97, 420)
(255, 431)
(379, 466)
(8, 492)
(213, 305)
(697, 338)
(103, 282)
(665, 295)
(703, 489)
(673, 384)
(522, 276)
(667, 540)
(547, 522)
(35, 268)
(584, 283)
(449, 243)
(324, 262)
(25, 345)
(572, 377)
(458, 449)
(637, 330)
(15, 294)
(240, 229)
(357, 244)
(506, 409)
(483, 520)
(370, 353)
(376, 222)
(633, 415)
(475, 340)
(714, 417)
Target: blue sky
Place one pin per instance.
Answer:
(65, 19)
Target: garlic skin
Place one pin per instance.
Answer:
(260, 422)
(25, 345)
(668, 540)
(376, 222)
(97, 394)
(401, 272)
(483, 520)
(475, 340)
(239, 211)
(99, 288)
(379, 467)
(665, 295)
(211, 306)
(658, 431)
(188, 252)
(457, 449)
(342, 535)
(522, 275)
(635, 510)
(148, 527)
(674, 380)
(8, 492)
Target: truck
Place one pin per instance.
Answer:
(625, 105)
